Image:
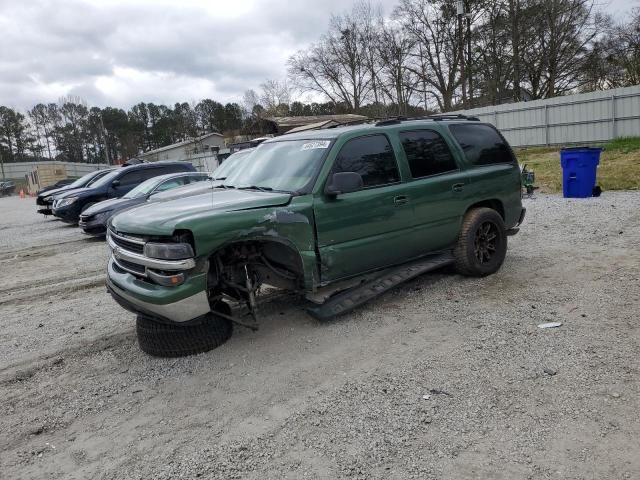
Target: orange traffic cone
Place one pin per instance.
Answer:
(21, 193)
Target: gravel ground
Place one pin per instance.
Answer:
(444, 377)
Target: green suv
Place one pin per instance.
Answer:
(338, 215)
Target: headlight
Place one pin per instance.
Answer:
(63, 202)
(169, 251)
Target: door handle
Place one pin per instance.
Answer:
(400, 199)
(458, 187)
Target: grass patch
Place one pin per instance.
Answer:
(619, 167)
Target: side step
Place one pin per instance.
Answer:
(356, 296)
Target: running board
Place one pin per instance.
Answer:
(354, 297)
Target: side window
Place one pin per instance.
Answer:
(482, 144)
(372, 157)
(131, 178)
(148, 173)
(427, 153)
(196, 178)
(169, 184)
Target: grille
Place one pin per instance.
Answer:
(128, 245)
(86, 218)
(131, 267)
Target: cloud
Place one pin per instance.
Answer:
(114, 52)
(120, 52)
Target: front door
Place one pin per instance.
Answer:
(364, 230)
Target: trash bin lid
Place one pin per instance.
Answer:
(577, 149)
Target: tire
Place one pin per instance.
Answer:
(172, 340)
(482, 243)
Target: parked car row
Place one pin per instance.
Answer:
(92, 200)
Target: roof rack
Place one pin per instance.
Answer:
(436, 118)
(451, 116)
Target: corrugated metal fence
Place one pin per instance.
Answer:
(583, 118)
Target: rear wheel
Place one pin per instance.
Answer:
(174, 340)
(482, 244)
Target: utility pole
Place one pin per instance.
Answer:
(460, 13)
(106, 141)
(470, 73)
(2, 165)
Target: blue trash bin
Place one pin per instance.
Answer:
(579, 169)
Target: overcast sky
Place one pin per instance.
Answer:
(120, 52)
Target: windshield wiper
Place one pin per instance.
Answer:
(255, 187)
(224, 185)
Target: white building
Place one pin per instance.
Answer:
(209, 143)
(201, 151)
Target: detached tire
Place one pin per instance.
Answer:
(171, 340)
(482, 244)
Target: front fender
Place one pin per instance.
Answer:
(291, 225)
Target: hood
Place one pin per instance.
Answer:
(162, 218)
(186, 191)
(113, 204)
(55, 191)
(71, 193)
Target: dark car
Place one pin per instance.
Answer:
(68, 206)
(59, 184)
(44, 201)
(7, 188)
(233, 163)
(93, 220)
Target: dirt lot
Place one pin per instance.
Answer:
(445, 377)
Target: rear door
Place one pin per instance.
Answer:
(364, 230)
(438, 188)
(492, 167)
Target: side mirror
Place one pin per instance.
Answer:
(115, 183)
(344, 182)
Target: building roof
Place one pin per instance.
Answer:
(371, 127)
(314, 126)
(292, 122)
(180, 144)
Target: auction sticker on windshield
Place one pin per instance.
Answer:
(315, 145)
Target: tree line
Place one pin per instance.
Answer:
(424, 57)
(425, 53)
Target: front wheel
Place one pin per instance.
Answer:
(482, 244)
(174, 340)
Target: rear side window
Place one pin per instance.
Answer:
(372, 157)
(427, 153)
(482, 144)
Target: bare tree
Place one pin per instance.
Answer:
(275, 96)
(432, 26)
(337, 65)
(398, 83)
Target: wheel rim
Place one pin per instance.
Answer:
(486, 242)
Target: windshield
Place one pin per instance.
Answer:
(143, 188)
(106, 179)
(230, 164)
(287, 165)
(84, 180)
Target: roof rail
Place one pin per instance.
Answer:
(390, 121)
(451, 116)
